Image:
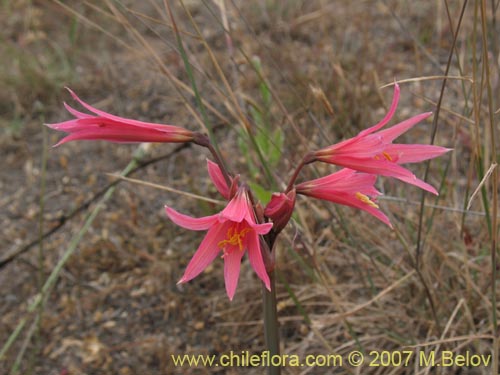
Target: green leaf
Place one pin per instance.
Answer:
(263, 195)
(276, 147)
(256, 116)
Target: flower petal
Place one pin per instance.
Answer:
(413, 180)
(261, 228)
(361, 143)
(206, 253)
(76, 113)
(109, 116)
(414, 153)
(232, 265)
(395, 131)
(352, 201)
(239, 207)
(348, 199)
(383, 167)
(388, 116)
(218, 179)
(390, 169)
(364, 145)
(360, 146)
(124, 134)
(255, 257)
(193, 223)
(102, 113)
(346, 179)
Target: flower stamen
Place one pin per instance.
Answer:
(387, 156)
(365, 199)
(234, 237)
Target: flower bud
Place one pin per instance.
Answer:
(280, 209)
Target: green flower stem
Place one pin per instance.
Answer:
(271, 327)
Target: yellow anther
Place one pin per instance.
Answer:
(233, 237)
(387, 156)
(365, 199)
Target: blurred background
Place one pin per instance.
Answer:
(97, 294)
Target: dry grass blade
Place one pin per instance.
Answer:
(86, 20)
(428, 78)
(382, 294)
(495, 224)
(467, 338)
(166, 188)
(481, 183)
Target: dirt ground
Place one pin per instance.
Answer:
(346, 282)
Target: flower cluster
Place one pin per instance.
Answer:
(244, 226)
(369, 154)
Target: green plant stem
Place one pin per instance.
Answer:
(271, 327)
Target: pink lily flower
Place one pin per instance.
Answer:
(373, 152)
(231, 231)
(346, 187)
(104, 126)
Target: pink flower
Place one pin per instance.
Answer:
(280, 209)
(374, 153)
(107, 127)
(231, 231)
(346, 187)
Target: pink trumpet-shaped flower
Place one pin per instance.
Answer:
(104, 126)
(232, 231)
(346, 187)
(373, 152)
